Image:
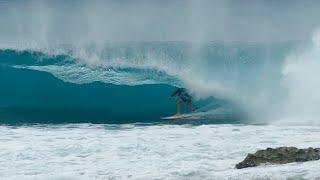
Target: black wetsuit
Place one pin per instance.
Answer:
(183, 94)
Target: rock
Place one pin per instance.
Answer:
(281, 155)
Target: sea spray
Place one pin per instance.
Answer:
(301, 78)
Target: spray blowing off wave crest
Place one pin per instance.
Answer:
(116, 63)
(301, 77)
(173, 63)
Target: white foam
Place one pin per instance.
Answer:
(301, 77)
(80, 74)
(149, 152)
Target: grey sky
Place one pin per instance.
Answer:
(158, 20)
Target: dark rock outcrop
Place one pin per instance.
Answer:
(281, 155)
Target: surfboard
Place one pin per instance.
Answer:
(177, 117)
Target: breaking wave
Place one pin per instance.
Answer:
(130, 81)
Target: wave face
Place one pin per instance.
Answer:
(131, 82)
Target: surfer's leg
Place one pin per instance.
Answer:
(179, 102)
(191, 108)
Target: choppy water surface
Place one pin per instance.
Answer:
(86, 151)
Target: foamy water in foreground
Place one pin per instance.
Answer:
(149, 152)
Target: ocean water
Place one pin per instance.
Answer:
(63, 84)
(131, 151)
(84, 84)
(65, 115)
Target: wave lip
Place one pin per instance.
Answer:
(80, 74)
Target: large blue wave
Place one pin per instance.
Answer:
(131, 82)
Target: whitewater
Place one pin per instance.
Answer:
(84, 84)
(131, 151)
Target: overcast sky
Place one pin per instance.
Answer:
(66, 21)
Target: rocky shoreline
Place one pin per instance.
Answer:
(281, 155)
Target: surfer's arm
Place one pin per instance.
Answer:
(175, 93)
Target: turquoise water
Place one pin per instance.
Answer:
(131, 82)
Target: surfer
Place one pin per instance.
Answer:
(183, 97)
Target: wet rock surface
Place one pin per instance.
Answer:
(281, 155)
